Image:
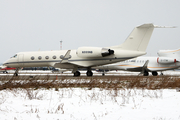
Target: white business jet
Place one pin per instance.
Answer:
(86, 57)
(167, 60)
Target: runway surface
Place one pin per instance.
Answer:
(48, 75)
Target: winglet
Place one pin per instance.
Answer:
(66, 57)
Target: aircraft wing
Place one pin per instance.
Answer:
(144, 68)
(139, 69)
(145, 65)
(64, 63)
(66, 57)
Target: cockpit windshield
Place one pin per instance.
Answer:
(14, 56)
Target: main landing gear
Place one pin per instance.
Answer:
(154, 73)
(145, 73)
(77, 74)
(5, 72)
(88, 73)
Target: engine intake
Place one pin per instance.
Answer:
(92, 52)
(106, 52)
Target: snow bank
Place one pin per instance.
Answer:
(78, 103)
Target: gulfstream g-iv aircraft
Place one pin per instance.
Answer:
(167, 60)
(86, 57)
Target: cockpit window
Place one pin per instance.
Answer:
(14, 56)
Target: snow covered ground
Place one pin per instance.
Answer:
(84, 104)
(94, 104)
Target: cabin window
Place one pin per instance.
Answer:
(39, 57)
(32, 58)
(47, 57)
(61, 56)
(54, 57)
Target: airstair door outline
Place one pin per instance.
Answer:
(21, 59)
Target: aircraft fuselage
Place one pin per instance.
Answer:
(49, 58)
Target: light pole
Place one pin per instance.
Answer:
(61, 45)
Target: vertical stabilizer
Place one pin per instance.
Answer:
(139, 38)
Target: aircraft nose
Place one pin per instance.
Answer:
(5, 63)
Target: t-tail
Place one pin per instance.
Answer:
(139, 38)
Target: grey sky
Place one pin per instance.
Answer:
(32, 25)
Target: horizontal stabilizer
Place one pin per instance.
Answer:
(156, 26)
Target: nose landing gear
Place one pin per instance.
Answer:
(16, 72)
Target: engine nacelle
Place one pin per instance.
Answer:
(92, 52)
(166, 60)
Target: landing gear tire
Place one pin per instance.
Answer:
(146, 73)
(103, 74)
(77, 73)
(154, 73)
(89, 73)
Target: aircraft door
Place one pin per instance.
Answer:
(21, 59)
